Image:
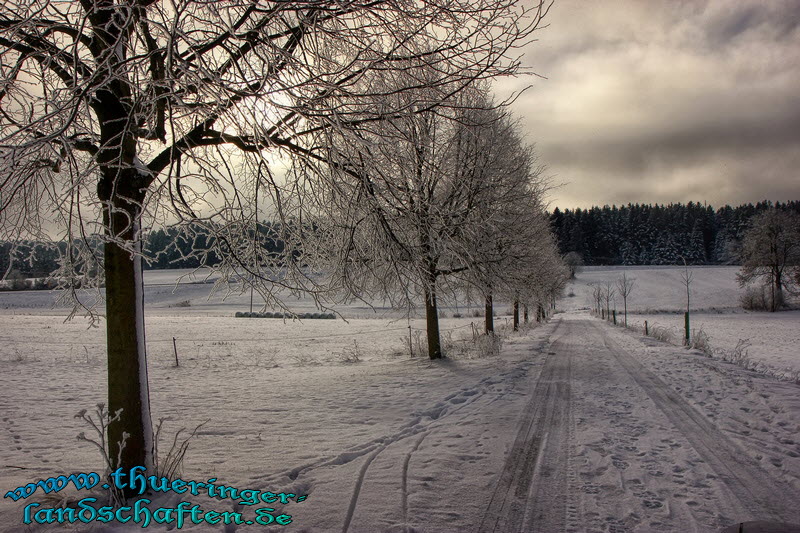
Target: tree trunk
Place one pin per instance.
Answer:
(625, 304)
(432, 322)
(777, 292)
(489, 315)
(127, 359)
(516, 315)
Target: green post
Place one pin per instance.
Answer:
(615, 317)
(686, 325)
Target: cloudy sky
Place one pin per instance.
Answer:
(667, 101)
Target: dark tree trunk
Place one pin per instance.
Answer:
(525, 313)
(432, 322)
(625, 303)
(122, 188)
(128, 391)
(489, 312)
(777, 291)
(516, 315)
(127, 359)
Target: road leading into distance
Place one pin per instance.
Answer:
(606, 444)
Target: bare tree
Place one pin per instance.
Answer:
(687, 277)
(574, 262)
(597, 296)
(608, 295)
(770, 249)
(624, 288)
(510, 249)
(416, 192)
(117, 115)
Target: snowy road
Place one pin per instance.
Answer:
(607, 444)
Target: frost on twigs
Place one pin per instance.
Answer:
(701, 341)
(170, 464)
(99, 424)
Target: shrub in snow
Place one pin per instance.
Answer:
(756, 298)
(700, 341)
(488, 345)
(662, 333)
(739, 355)
(98, 439)
(16, 281)
(350, 354)
(169, 465)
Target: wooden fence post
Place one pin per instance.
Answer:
(175, 351)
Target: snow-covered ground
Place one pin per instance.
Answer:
(660, 288)
(659, 297)
(192, 292)
(647, 441)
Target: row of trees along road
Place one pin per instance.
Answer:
(122, 115)
(435, 201)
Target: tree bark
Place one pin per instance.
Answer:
(432, 323)
(777, 297)
(516, 315)
(128, 390)
(625, 304)
(489, 312)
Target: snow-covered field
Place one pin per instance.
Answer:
(659, 297)
(648, 437)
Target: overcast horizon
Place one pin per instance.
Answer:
(665, 101)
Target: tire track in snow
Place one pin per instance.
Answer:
(422, 420)
(530, 494)
(404, 480)
(440, 412)
(752, 487)
(357, 489)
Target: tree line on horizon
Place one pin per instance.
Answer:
(654, 234)
(633, 234)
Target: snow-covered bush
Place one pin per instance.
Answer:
(98, 439)
(350, 354)
(662, 333)
(488, 345)
(739, 355)
(756, 298)
(700, 341)
(169, 465)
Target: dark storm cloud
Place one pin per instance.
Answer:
(663, 101)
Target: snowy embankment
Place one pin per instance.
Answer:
(659, 297)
